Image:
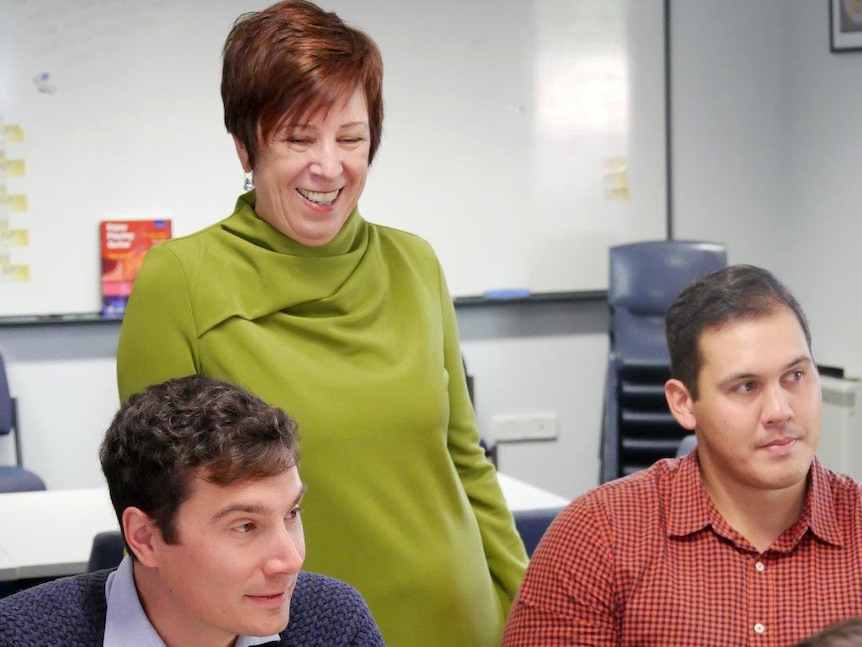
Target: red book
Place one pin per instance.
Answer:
(124, 244)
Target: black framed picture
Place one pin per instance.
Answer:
(845, 25)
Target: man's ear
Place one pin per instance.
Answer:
(680, 403)
(141, 535)
(242, 153)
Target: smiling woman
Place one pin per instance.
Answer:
(348, 325)
(309, 175)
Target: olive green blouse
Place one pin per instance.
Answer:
(357, 340)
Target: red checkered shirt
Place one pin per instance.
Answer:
(647, 560)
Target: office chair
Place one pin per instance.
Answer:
(107, 551)
(645, 278)
(532, 524)
(13, 478)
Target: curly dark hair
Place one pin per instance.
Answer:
(847, 633)
(164, 437)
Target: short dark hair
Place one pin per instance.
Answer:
(165, 436)
(734, 293)
(847, 633)
(289, 61)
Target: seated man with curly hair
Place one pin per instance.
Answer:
(203, 478)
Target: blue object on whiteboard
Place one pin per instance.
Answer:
(507, 293)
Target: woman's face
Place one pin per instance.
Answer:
(309, 176)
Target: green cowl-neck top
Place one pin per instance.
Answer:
(357, 340)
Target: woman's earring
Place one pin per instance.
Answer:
(248, 185)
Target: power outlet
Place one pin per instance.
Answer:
(535, 426)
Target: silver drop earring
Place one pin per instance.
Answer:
(248, 185)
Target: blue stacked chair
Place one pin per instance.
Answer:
(645, 278)
(13, 478)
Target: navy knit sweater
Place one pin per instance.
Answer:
(70, 612)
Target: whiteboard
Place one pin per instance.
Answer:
(522, 138)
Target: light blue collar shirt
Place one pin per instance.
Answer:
(126, 624)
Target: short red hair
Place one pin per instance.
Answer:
(291, 60)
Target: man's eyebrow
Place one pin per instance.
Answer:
(802, 359)
(254, 508)
(241, 508)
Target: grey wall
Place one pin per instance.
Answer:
(63, 378)
(768, 152)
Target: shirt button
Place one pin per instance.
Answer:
(760, 566)
(759, 628)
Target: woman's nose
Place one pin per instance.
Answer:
(327, 162)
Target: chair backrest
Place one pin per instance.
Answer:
(645, 278)
(532, 524)
(7, 422)
(13, 478)
(107, 550)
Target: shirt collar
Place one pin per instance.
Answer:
(821, 509)
(692, 510)
(126, 624)
(689, 502)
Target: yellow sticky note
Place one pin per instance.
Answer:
(15, 237)
(14, 133)
(17, 202)
(15, 168)
(15, 273)
(616, 180)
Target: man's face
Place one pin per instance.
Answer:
(234, 568)
(758, 414)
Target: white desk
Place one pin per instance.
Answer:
(523, 496)
(8, 570)
(50, 533)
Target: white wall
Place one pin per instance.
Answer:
(63, 377)
(823, 176)
(541, 358)
(767, 157)
(768, 152)
(727, 125)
